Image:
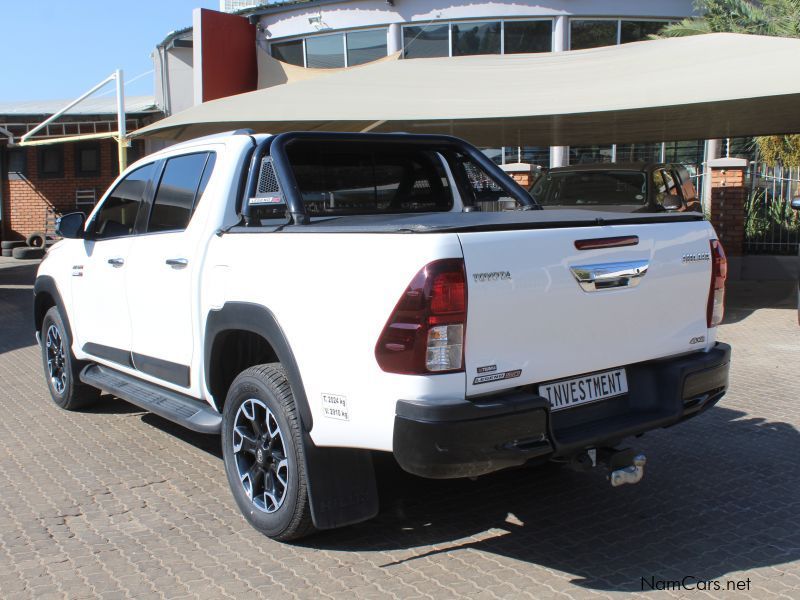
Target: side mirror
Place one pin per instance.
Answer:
(672, 202)
(796, 203)
(71, 226)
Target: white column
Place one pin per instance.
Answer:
(713, 150)
(558, 154)
(394, 42)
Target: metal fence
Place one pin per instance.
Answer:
(771, 226)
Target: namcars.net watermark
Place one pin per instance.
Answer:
(692, 582)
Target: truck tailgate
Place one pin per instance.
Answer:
(530, 320)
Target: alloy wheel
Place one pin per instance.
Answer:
(56, 360)
(260, 455)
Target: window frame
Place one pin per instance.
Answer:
(16, 175)
(487, 19)
(90, 229)
(40, 154)
(619, 20)
(155, 184)
(341, 32)
(78, 148)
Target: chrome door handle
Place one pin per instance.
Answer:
(177, 263)
(607, 276)
(116, 262)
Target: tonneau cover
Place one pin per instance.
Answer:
(474, 221)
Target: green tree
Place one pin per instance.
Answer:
(767, 17)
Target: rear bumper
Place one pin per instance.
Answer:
(466, 438)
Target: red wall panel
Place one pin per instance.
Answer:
(228, 46)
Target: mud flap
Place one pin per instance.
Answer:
(341, 485)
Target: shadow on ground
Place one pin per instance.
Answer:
(16, 307)
(743, 298)
(722, 502)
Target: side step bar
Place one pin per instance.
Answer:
(183, 410)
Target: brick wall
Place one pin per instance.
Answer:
(728, 197)
(26, 201)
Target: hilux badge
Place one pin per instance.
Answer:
(699, 257)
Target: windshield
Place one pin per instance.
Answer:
(591, 188)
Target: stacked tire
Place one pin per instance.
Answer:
(7, 248)
(23, 250)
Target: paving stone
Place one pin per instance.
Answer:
(112, 502)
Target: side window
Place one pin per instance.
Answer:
(686, 183)
(671, 183)
(659, 187)
(183, 182)
(117, 215)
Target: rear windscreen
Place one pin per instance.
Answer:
(346, 179)
(587, 188)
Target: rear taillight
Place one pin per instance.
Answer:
(716, 295)
(425, 332)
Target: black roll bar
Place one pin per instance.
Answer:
(277, 148)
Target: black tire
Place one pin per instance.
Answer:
(25, 253)
(6, 253)
(36, 240)
(68, 393)
(262, 391)
(10, 244)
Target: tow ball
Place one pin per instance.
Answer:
(624, 466)
(630, 474)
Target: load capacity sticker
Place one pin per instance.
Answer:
(334, 406)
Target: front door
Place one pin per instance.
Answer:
(162, 269)
(99, 275)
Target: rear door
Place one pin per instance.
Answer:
(162, 264)
(530, 320)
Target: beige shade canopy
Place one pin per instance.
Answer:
(707, 86)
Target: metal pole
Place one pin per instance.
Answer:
(122, 139)
(25, 137)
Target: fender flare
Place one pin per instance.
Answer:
(46, 284)
(257, 319)
(341, 481)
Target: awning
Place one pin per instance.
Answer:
(708, 86)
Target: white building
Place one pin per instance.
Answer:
(344, 33)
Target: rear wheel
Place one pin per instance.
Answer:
(262, 446)
(61, 368)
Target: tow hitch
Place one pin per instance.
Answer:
(624, 466)
(629, 474)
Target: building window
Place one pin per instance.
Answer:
(426, 42)
(87, 160)
(365, 46)
(325, 51)
(51, 161)
(635, 31)
(646, 152)
(598, 153)
(476, 38)
(289, 52)
(535, 155)
(17, 163)
(527, 36)
(585, 33)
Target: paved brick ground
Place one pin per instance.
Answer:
(113, 502)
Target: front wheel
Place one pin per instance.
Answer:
(262, 447)
(61, 368)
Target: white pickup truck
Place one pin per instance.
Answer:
(315, 297)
